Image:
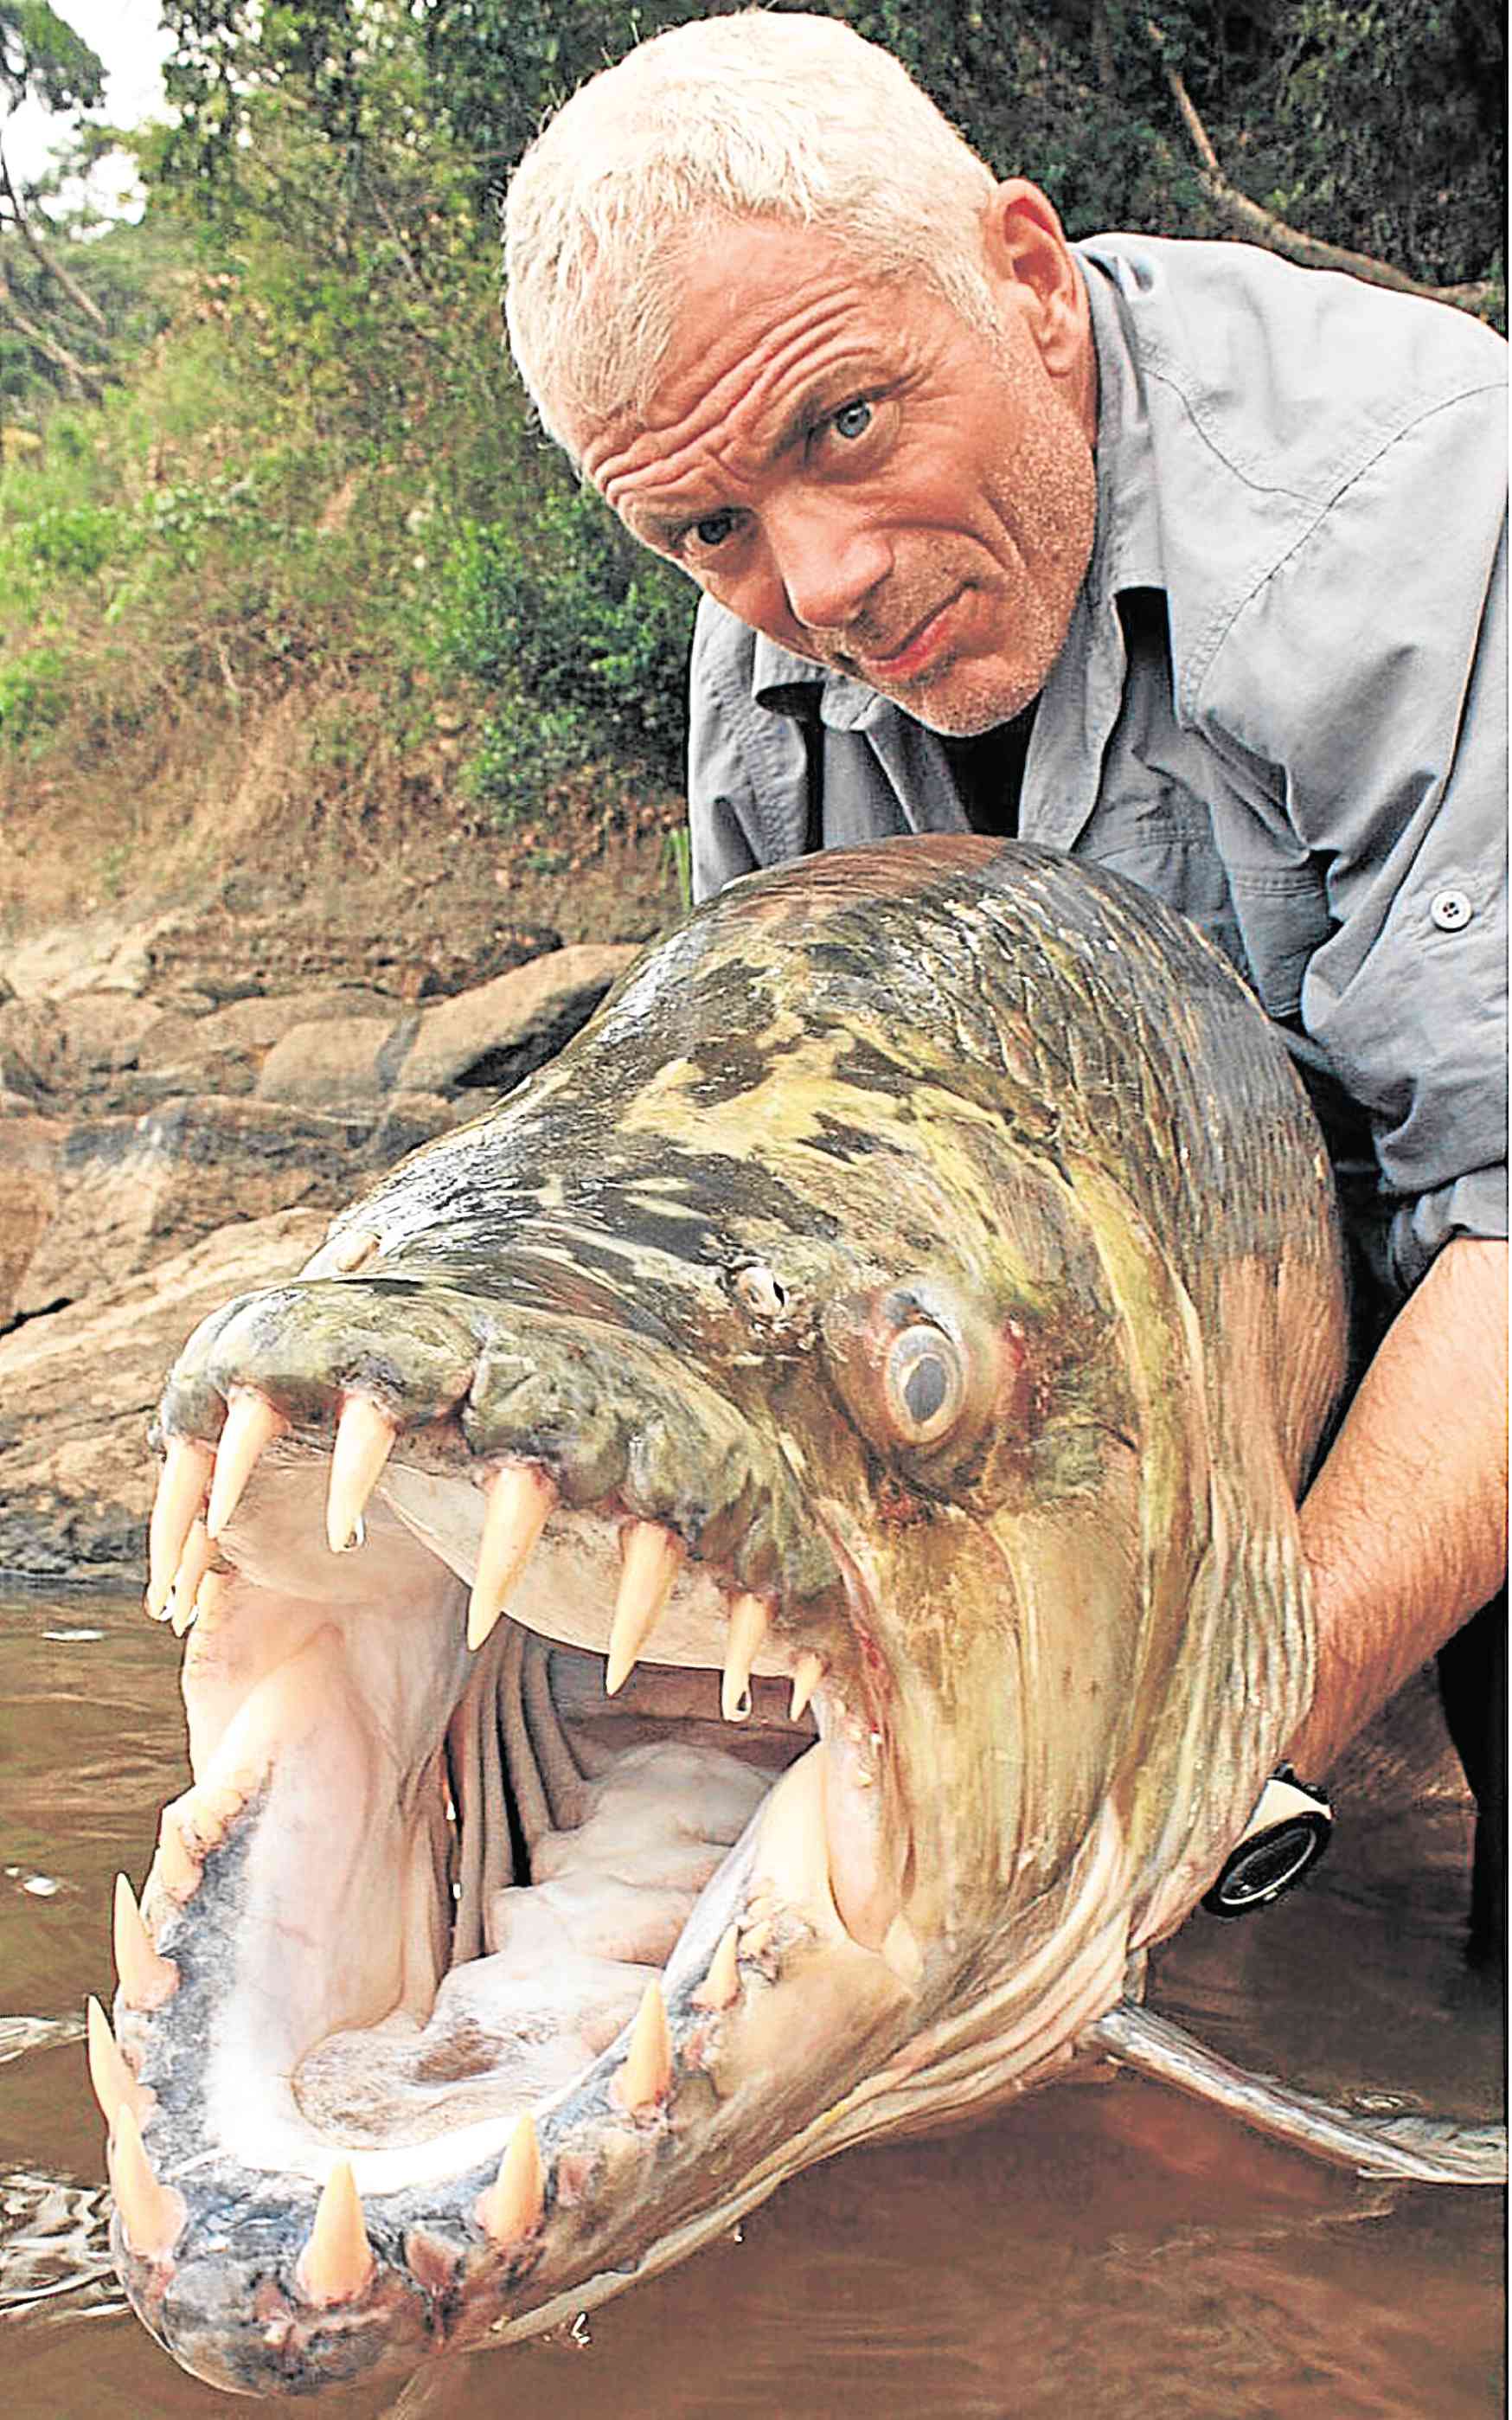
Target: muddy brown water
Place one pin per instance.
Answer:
(1106, 2251)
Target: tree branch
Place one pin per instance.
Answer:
(391, 228)
(80, 377)
(1262, 225)
(70, 286)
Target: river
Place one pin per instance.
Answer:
(1107, 2251)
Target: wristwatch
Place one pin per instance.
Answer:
(1287, 1832)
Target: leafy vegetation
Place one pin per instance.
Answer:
(264, 444)
(576, 637)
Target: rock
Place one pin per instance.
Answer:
(225, 1074)
(55, 1050)
(251, 1028)
(348, 1064)
(409, 1120)
(490, 1038)
(128, 1190)
(78, 1390)
(130, 965)
(123, 1057)
(211, 1149)
(30, 1149)
(282, 954)
(473, 956)
(485, 1039)
(107, 952)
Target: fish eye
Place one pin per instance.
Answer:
(924, 1383)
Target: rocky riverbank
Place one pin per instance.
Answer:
(179, 1118)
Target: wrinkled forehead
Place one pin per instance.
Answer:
(750, 303)
(760, 309)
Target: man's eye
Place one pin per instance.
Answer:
(852, 420)
(714, 529)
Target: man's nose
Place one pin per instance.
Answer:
(828, 561)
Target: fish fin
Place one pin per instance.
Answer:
(1405, 2144)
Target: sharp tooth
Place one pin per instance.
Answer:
(337, 2260)
(748, 1625)
(520, 1499)
(209, 1599)
(653, 1559)
(758, 1938)
(177, 1871)
(199, 1555)
(216, 1806)
(514, 2204)
(186, 1469)
(721, 1984)
(152, 2215)
(353, 1250)
(251, 1423)
(115, 2085)
(901, 1954)
(642, 2083)
(807, 1676)
(147, 1980)
(365, 1440)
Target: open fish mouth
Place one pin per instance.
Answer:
(474, 1930)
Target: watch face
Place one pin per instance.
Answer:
(1261, 1868)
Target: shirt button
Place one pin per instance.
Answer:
(1450, 911)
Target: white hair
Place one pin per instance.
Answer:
(791, 117)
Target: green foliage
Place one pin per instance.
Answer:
(1386, 131)
(41, 55)
(54, 325)
(34, 696)
(298, 452)
(65, 541)
(1376, 123)
(582, 639)
(677, 849)
(240, 515)
(498, 66)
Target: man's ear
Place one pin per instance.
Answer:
(1028, 255)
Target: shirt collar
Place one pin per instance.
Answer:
(788, 683)
(1126, 548)
(1126, 551)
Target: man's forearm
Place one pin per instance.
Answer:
(1404, 1528)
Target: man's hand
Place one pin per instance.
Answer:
(1404, 1528)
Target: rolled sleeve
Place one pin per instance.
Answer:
(1379, 647)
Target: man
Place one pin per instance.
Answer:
(1172, 556)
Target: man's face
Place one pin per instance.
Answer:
(850, 467)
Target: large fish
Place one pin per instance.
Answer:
(893, 1336)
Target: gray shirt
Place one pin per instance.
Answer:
(1281, 703)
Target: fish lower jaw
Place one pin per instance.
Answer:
(445, 1998)
(559, 2187)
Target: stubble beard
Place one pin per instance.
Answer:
(967, 695)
